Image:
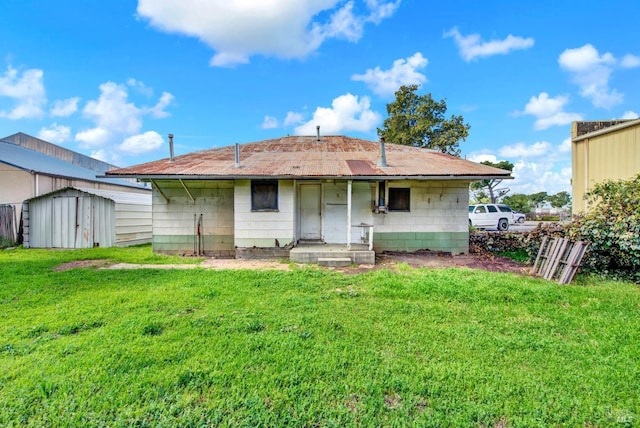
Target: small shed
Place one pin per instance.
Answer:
(76, 217)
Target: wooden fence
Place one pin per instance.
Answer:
(559, 259)
(7, 226)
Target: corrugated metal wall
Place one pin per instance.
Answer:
(610, 156)
(71, 219)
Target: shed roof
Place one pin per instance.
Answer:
(129, 198)
(40, 163)
(310, 157)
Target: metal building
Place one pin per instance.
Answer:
(85, 218)
(602, 150)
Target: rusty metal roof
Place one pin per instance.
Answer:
(308, 157)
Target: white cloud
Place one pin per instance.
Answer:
(347, 113)
(117, 118)
(549, 111)
(630, 61)
(100, 154)
(27, 90)
(142, 143)
(630, 115)
(158, 111)
(140, 87)
(472, 46)
(538, 167)
(542, 176)
(280, 28)
(482, 156)
(65, 108)
(565, 146)
(56, 134)
(521, 150)
(269, 122)
(402, 72)
(293, 119)
(91, 138)
(591, 72)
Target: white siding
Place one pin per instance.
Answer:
(335, 212)
(262, 228)
(436, 206)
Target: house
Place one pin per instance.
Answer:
(31, 167)
(602, 150)
(306, 196)
(87, 217)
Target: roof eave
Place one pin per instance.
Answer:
(606, 130)
(463, 177)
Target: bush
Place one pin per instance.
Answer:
(611, 227)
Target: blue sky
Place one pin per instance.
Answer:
(112, 78)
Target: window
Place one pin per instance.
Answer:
(264, 196)
(504, 208)
(481, 210)
(492, 209)
(399, 198)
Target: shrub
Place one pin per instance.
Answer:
(611, 226)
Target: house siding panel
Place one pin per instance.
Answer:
(262, 228)
(175, 222)
(438, 219)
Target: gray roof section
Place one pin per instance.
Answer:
(32, 161)
(128, 198)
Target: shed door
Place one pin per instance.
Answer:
(310, 222)
(72, 222)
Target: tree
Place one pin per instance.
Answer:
(537, 198)
(419, 121)
(491, 185)
(559, 200)
(518, 202)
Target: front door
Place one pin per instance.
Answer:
(310, 211)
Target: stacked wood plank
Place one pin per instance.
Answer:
(559, 259)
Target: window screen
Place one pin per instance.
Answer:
(399, 198)
(264, 195)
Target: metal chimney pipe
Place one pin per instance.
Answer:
(237, 155)
(318, 131)
(382, 162)
(171, 147)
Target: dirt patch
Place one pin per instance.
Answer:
(387, 260)
(78, 264)
(439, 260)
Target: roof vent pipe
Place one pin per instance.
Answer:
(237, 155)
(382, 162)
(171, 147)
(318, 131)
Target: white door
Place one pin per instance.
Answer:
(310, 222)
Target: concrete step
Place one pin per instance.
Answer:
(334, 261)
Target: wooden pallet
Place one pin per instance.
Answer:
(559, 259)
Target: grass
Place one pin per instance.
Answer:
(90, 347)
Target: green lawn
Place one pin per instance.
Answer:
(454, 347)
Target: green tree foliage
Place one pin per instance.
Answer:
(518, 202)
(419, 121)
(612, 227)
(491, 186)
(538, 198)
(559, 200)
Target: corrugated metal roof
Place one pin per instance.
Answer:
(33, 161)
(116, 196)
(306, 157)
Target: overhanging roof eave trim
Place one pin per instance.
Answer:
(464, 177)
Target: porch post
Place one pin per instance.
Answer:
(349, 185)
